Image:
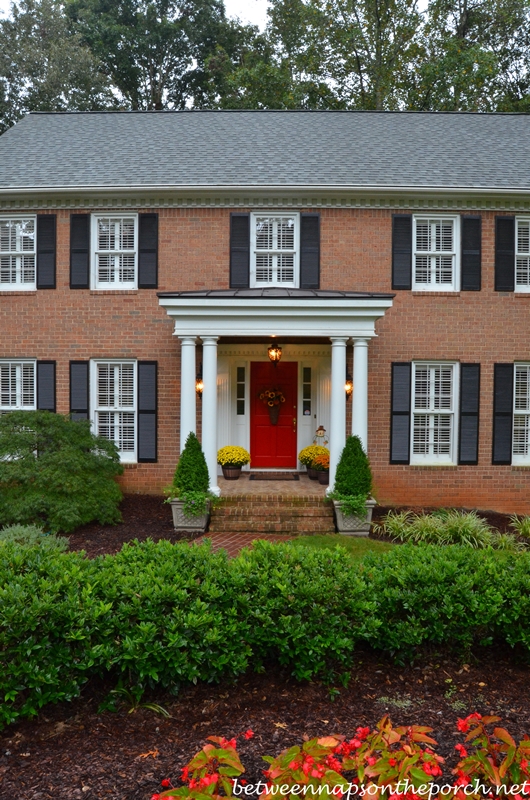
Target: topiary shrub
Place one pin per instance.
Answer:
(191, 474)
(353, 476)
(55, 472)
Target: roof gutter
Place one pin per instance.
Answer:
(201, 188)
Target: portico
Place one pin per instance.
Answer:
(213, 317)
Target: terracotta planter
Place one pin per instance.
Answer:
(312, 474)
(323, 476)
(231, 473)
(182, 522)
(354, 526)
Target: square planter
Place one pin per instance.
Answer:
(183, 522)
(353, 526)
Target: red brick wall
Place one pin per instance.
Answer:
(486, 326)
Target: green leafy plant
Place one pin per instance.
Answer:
(353, 479)
(32, 536)
(446, 527)
(191, 480)
(54, 472)
(521, 526)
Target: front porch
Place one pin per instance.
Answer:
(314, 329)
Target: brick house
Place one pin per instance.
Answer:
(139, 250)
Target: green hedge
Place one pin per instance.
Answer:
(163, 614)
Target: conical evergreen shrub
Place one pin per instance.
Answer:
(191, 474)
(353, 476)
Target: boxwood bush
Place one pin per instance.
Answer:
(164, 614)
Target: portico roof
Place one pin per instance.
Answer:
(275, 310)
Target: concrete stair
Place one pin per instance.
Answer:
(266, 513)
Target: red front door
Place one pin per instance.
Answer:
(273, 444)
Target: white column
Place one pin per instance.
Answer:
(359, 406)
(337, 434)
(188, 398)
(209, 408)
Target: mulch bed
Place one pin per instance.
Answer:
(71, 751)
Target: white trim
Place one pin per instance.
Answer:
(20, 285)
(525, 287)
(18, 363)
(523, 414)
(95, 282)
(126, 456)
(431, 459)
(276, 253)
(434, 286)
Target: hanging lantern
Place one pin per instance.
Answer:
(275, 353)
(348, 386)
(199, 383)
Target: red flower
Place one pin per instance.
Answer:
(166, 783)
(362, 733)
(243, 782)
(461, 750)
(462, 725)
(184, 773)
(392, 762)
(155, 797)
(248, 734)
(371, 760)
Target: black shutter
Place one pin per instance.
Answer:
(469, 408)
(79, 251)
(79, 402)
(504, 254)
(502, 413)
(46, 385)
(309, 251)
(400, 418)
(471, 237)
(402, 251)
(46, 247)
(239, 251)
(147, 411)
(148, 251)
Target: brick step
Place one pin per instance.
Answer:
(272, 514)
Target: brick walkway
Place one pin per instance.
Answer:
(234, 542)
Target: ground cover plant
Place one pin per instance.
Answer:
(32, 535)
(446, 527)
(163, 615)
(55, 473)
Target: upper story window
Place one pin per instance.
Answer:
(274, 247)
(114, 404)
(17, 386)
(435, 257)
(115, 254)
(433, 413)
(522, 255)
(17, 253)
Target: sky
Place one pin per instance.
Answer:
(254, 11)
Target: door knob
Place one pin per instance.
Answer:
(294, 420)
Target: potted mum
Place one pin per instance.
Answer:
(351, 494)
(232, 458)
(189, 495)
(321, 464)
(308, 455)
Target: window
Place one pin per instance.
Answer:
(521, 415)
(433, 412)
(17, 386)
(522, 255)
(115, 251)
(435, 253)
(274, 250)
(240, 391)
(306, 391)
(114, 404)
(17, 253)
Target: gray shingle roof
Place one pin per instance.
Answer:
(267, 148)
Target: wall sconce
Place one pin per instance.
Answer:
(199, 383)
(275, 353)
(348, 386)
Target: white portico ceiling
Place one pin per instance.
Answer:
(279, 312)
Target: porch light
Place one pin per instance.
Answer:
(275, 353)
(199, 383)
(348, 386)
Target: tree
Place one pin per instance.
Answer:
(155, 51)
(46, 67)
